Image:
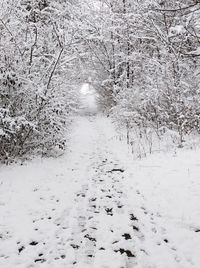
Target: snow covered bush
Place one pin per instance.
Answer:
(15, 122)
(36, 67)
(28, 122)
(149, 52)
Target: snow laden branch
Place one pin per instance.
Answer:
(36, 99)
(145, 56)
(189, 8)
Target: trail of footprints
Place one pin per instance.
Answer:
(102, 195)
(42, 244)
(160, 232)
(76, 235)
(76, 230)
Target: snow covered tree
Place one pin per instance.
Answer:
(37, 58)
(152, 76)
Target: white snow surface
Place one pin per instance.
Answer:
(97, 207)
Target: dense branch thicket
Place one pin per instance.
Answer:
(36, 71)
(141, 56)
(146, 57)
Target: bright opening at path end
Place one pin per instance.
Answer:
(86, 89)
(88, 99)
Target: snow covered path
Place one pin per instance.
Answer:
(96, 207)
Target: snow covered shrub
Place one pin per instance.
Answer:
(153, 68)
(53, 116)
(36, 64)
(28, 122)
(15, 124)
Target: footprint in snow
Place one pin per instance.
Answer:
(20, 249)
(35, 189)
(133, 217)
(138, 192)
(33, 243)
(128, 253)
(135, 228)
(109, 211)
(127, 236)
(41, 260)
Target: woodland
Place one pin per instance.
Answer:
(141, 57)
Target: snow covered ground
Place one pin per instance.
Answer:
(97, 207)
